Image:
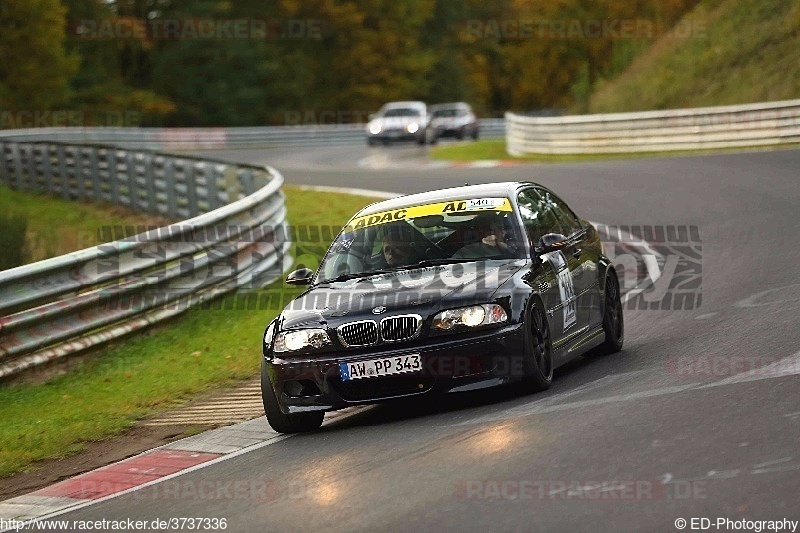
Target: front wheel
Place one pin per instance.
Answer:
(539, 350)
(283, 423)
(613, 322)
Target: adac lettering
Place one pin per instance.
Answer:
(455, 206)
(381, 218)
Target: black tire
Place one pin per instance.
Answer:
(371, 142)
(460, 134)
(475, 134)
(283, 423)
(613, 320)
(538, 350)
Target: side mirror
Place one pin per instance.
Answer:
(301, 276)
(551, 242)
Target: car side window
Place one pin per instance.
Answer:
(538, 215)
(569, 221)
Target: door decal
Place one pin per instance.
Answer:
(565, 287)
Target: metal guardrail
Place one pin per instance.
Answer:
(750, 125)
(234, 237)
(216, 138)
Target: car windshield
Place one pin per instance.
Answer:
(401, 112)
(470, 229)
(445, 113)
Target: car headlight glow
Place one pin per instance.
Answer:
(375, 128)
(475, 315)
(290, 341)
(412, 127)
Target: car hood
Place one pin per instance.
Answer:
(449, 121)
(398, 122)
(421, 291)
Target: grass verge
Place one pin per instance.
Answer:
(496, 150)
(722, 52)
(103, 395)
(37, 226)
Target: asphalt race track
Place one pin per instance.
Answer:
(623, 443)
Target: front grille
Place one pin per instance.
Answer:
(363, 333)
(384, 387)
(400, 328)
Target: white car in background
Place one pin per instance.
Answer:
(398, 121)
(452, 120)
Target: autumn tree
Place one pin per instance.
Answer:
(35, 68)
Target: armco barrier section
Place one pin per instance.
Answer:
(234, 237)
(216, 138)
(750, 125)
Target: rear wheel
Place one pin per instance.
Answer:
(539, 347)
(283, 423)
(613, 322)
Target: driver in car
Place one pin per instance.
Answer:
(492, 244)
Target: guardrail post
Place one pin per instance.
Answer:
(93, 169)
(4, 177)
(113, 180)
(133, 190)
(169, 177)
(211, 185)
(79, 174)
(48, 169)
(150, 186)
(191, 189)
(17, 162)
(62, 171)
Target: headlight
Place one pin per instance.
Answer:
(375, 128)
(412, 128)
(291, 341)
(476, 315)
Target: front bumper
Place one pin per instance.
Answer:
(450, 131)
(450, 364)
(394, 135)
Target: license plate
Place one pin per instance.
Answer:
(385, 366)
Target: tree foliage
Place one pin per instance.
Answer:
(35, 67)
(348, 57)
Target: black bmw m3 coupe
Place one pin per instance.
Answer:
(444, 291)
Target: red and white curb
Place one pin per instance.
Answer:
(148, 468)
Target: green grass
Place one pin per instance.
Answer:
(496, 150)
(52, 226)
(203, 349)
(739, 51)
